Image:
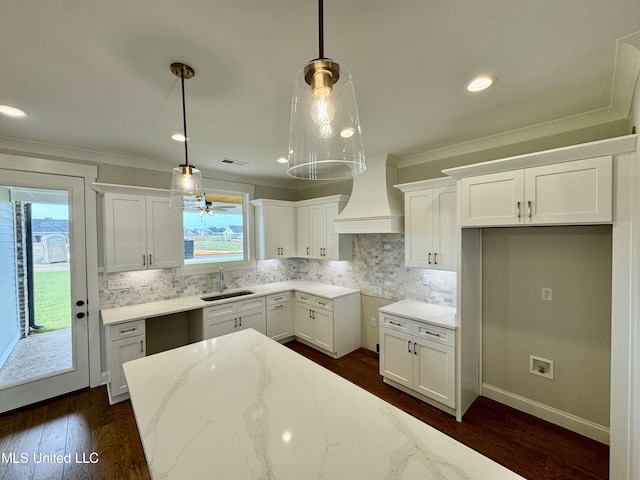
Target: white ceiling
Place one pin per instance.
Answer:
(95, 75)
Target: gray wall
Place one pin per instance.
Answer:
(573, 330)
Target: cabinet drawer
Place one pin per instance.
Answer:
(126, 330)
(398, 324)
(278, 298)
(325, 303)
(304, 298)
(250, 304)
(209, 313)
(434, 333)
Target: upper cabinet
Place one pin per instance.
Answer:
(275, 229)
(430, 224)
(141, 232)
(301, 229)
(573, 192)
(316, 231)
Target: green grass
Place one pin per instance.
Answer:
(52, 299)
(211, 245)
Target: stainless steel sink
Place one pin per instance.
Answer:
(221, 296)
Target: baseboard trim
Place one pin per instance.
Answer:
(552, 415)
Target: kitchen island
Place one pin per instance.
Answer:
(242, 406)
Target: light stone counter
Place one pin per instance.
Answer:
(243, 406)
(112, 316)
(423, 312)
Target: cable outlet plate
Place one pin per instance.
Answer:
(541, 366)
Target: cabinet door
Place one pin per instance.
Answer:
(323, 328)
(570, 192)
(125, 232)
(434, 371)
(445, 229)
(396, 356)
(419, 228)
(492, 200)
(255, 319)
(271, 231)
(287, 233)
(304, 226)
(279, 321)
(303, 322)
(318, 231)
(122, 351)
(220, 326)
(332, 239)
(164, 234)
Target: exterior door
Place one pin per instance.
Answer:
(44, 287)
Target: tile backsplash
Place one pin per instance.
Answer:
(377, 269)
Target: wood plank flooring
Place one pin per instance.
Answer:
(83, 423)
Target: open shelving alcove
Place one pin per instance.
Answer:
(624, 217)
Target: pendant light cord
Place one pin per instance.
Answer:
(321, 28)
(184, 119)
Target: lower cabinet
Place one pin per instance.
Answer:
(279, 316)
(330, 325)
(125, 342)
(418, 356)
(227, 318)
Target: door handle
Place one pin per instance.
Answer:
(435, 258)
(144, 260)
(240, 321)
(529, 208)
(414, 348)
(518, 209)
(409, 346)
(141, 346)
(150, 262)
(235, 323)
(429, 258)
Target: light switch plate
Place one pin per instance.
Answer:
(120, 284)
(547, 294)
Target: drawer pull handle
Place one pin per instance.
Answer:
(278, 298)
(395, 323)
(144, 260)
(128, 330)
(279, 306)
(141, 346)
(235, 323)
(150, 259)
(409, 346)
(431, 333)
(322, 303)
(240, 321)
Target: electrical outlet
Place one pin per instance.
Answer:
(541, 366)
(144, 281)
(547, 294)
(426, 279)
(120, 284)
(374, 322)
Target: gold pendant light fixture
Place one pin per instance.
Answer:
(186, 182)
(325, 139)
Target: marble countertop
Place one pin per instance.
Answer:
(112, 316)
(423, 312)
(242, 406)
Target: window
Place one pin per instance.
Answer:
(218, 235)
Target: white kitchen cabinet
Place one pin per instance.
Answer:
(330, 325)
(275, 229)
(141, 232)
(430, 224)
(125, 342)
(420, 358)
(575, 192)
(218, 320)
(316, 231)
(279, 316)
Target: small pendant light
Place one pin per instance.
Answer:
(186, 182)
(325, 140)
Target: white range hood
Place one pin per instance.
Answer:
(374, 206)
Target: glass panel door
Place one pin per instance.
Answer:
(43, 328)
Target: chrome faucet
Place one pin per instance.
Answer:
(222, 286)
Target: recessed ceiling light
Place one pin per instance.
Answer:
(480, 83)
(10, 111)
(178, 137)
(282, 160)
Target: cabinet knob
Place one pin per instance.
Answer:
(80, 303)
(80, 315)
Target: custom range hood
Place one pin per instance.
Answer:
(374, 206)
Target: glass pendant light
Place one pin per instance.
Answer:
(186, 182)
(325, 139)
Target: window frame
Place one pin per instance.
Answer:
(246, 192)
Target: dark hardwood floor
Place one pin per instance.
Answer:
(83, 423)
